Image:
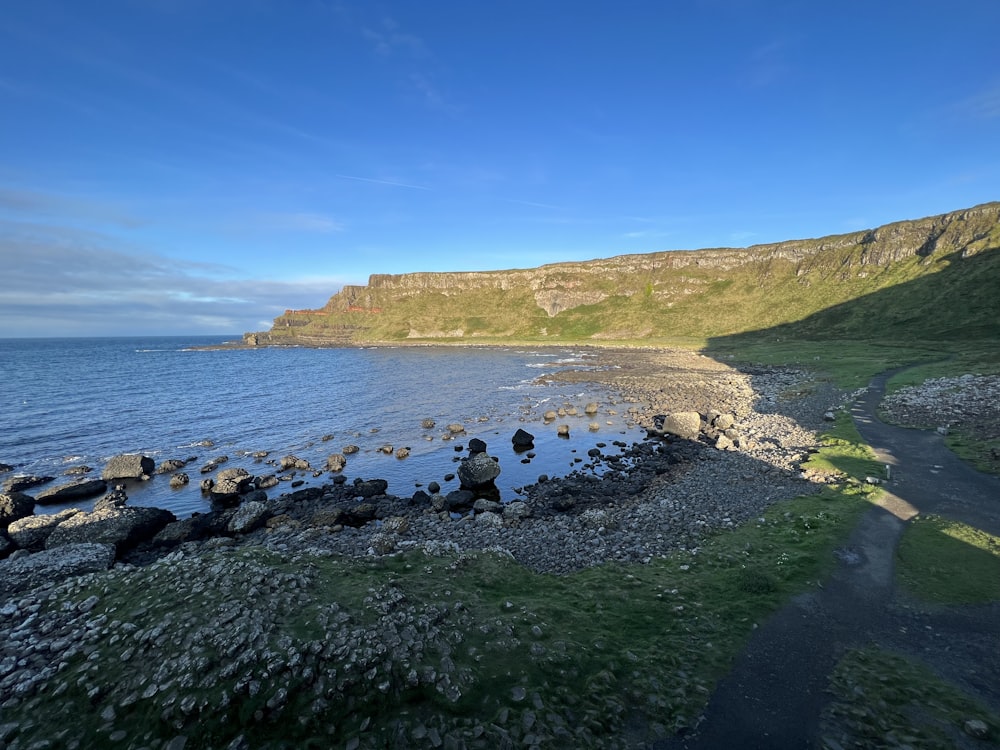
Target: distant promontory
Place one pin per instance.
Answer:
(931, 278)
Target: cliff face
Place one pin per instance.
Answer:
(678, 293)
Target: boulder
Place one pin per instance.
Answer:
(31, 532)
(516, 510)
(122, 527)
(562, 430)
(6, 546)
(483, 505)
(477, 446)
(293, 462)
(458, 500)
(23, 482)
(684, 424)
(266, 482)
(14, 506)
(129, 466)
(76, 471)
(4, 468)
(114, 499)
(428, 424)
(179, 479)
(370, 487)
(477, 470)
(403, 452)
(455, 428)
(231, 482)
(349, 449)
(523, 440)
(248, 516)
(591, 408)
(489, 519)
(723, 422)
(336, 462)
(171, 464)
(72, 491)
(28, 572)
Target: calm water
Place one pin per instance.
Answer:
(66, 402)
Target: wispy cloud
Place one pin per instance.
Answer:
(62, 281)
(768, 64)
(984, 105)
(392, 183)
(390, 39)
(534, 204)
(300, 222)
(23, 203)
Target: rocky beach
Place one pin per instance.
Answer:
(191, 614)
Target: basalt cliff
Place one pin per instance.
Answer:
(937, 277)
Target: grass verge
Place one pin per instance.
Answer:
(948, 562)
(882, 700)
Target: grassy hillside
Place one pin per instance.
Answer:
(931, 278)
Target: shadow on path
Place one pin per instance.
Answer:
(776, 691)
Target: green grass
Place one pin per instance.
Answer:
(981, 453)
(947, 562)
(598, 646)
(844, 452)
(882, 700)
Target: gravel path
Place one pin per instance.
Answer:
(776, 693)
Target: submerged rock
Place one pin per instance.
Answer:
(71, 491)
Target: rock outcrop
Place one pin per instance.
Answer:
(637, 295)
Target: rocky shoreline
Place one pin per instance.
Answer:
(739, 451)
(750, 432)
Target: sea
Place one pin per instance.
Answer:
(70, 402)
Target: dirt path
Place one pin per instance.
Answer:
(776, 691)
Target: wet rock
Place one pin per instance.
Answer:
(14, 506)
(31, 532)
(179, 479)
(477, 446)
(478, 470)
(266, 482)
(122, 527)
(72, 491)
(23, 482)
(293, 462)
(523, 440)
(336, 462)
(249, 516)
(370, 487)
(230, 483)
(172, 464)
(128, 466)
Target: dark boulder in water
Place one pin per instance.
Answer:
(72, 491)
(523, 440)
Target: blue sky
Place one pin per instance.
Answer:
(197, 166)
